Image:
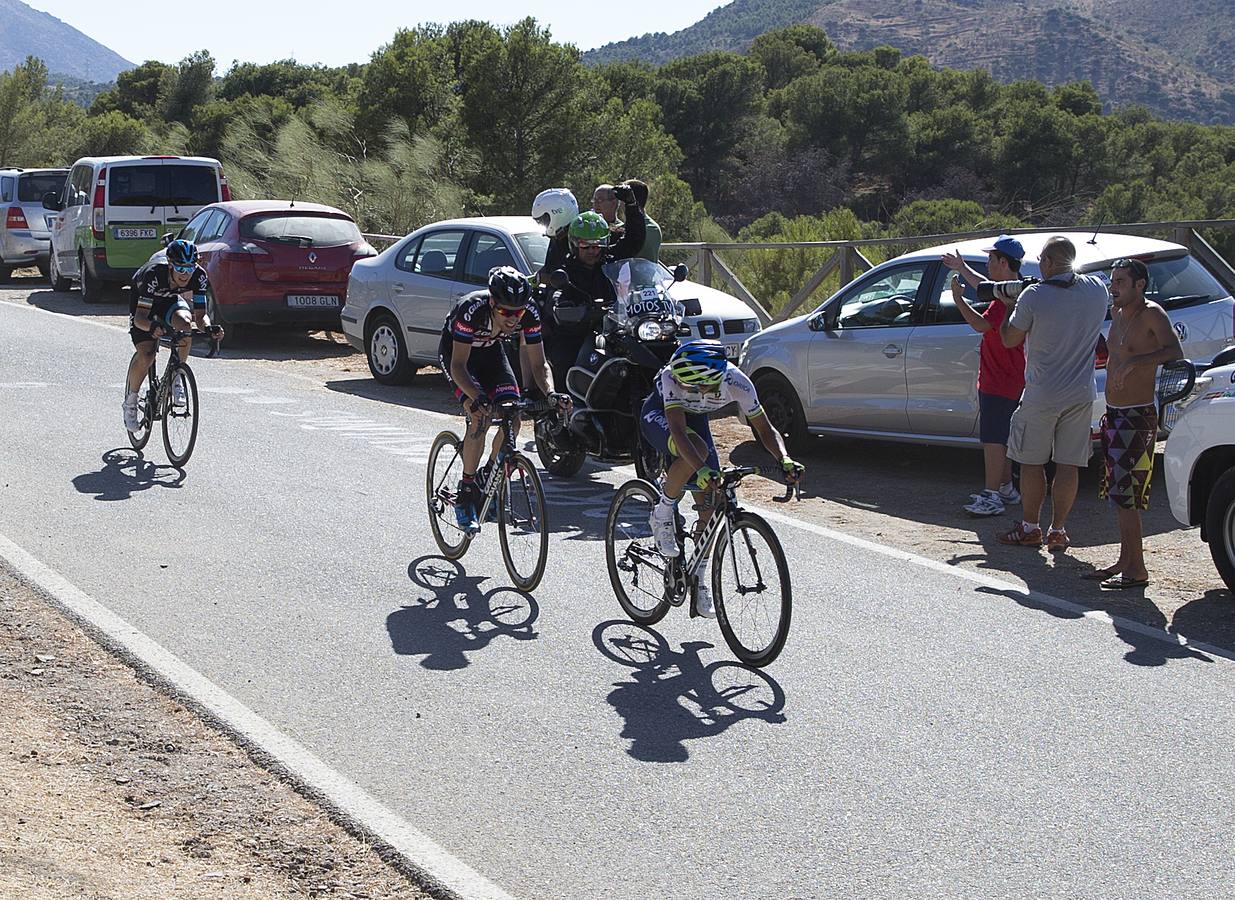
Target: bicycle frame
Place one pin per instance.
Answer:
(161, 384)
(684, 574)
(504, 452)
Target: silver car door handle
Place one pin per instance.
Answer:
(398, 286)
(891, 351)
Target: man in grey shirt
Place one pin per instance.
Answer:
(1059, 321)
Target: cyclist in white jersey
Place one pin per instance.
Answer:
(697, 381)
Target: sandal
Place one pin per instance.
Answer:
(1100, 574)
(1123, 582)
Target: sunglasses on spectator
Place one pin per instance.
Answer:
(508, 312)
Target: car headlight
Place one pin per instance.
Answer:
(649, 330)
(1198, 391)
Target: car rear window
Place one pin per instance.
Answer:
(535, 247)
(162, 186)
(32, 187)
(314, 231)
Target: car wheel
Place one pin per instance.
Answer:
(45, 272)
(58, 282)
(784, 409)
(91, 287)
(386, 352)
(1220, 527)
(234, 329)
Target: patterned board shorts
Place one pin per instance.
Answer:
(1128, 438)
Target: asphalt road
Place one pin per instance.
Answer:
(919, 735)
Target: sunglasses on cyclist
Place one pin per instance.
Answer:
(508, 312)
(183, 270)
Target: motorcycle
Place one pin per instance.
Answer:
(637, 335)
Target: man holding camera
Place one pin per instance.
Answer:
(1058, 320)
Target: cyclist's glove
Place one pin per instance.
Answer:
(214, 330)
(559, 400)
(793, 470)
(705, 477)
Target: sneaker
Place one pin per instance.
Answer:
(1009, 494)
(1057, 540)
(703, 601)
(178, 396)
(132, 421)
(987, 503)
(663, 530)
(1019, 536)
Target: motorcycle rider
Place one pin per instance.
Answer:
(589, 249)
(554, 209)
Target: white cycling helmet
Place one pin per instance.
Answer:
(555, 209)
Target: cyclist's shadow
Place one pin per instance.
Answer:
(124, 473)
(455, 617)
(673, 696)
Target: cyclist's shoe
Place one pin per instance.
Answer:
(132, 421)
(179, 400)
(664, 531)
(987, 503)
(465, 508)
(703, 601)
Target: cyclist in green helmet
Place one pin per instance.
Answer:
(590, 247)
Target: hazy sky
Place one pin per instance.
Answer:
(317, 31)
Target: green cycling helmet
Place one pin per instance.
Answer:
(588, 226)
(699, 363)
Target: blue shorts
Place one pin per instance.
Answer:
(994, 417)
(655, 428)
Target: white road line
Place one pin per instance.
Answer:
(436, 866)
(981, 578)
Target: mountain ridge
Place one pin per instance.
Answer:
(25, 31)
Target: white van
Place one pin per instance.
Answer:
(114, 209)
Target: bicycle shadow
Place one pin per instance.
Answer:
(455, 617)
(673, 697)
(115, 482)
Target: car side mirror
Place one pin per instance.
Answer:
(559, 279)
(167, 239)
(818, 321)
(51, 200)
(680, 272)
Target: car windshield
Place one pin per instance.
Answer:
(32, 187)
(316, 231)
(535, 247)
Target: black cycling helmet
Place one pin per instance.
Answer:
(509, 287)
(182, 253)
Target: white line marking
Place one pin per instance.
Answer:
(1084, 612)
(418, 851)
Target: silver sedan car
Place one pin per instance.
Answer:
(398, 301)
(889, 356)
(25, 223)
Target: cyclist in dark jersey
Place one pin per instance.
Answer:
(475, 362)
(161, 294)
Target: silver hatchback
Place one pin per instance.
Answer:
(889, 356)
(25, 224)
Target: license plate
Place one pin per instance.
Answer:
(135, 234)
(733, 351)
(313, 300)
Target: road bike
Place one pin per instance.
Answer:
(158, 399)
(511, 482)
(749, 574)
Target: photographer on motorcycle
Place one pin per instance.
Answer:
(589, 250)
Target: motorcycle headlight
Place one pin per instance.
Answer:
(649, 331)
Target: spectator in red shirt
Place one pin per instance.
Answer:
(1001, 372)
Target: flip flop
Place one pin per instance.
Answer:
(1123, 583)
(1099, 574)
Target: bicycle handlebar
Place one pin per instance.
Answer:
(731, 476)
(174, 336)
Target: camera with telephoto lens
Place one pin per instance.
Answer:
(1005, 290)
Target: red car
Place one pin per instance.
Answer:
(276, 261)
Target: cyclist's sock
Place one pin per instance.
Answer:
(130, 397)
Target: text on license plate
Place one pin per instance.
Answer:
(311, 300)
(733, 351)
(135, 234)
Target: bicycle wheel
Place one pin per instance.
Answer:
(443, 473)
(523, 524)
(145, 412)
(636, 569)
(750, 586)
(180, 421)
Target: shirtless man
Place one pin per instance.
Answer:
(1141, 339)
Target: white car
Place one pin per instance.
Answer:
(888, 355)
(1200, 463)
(398, 301)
